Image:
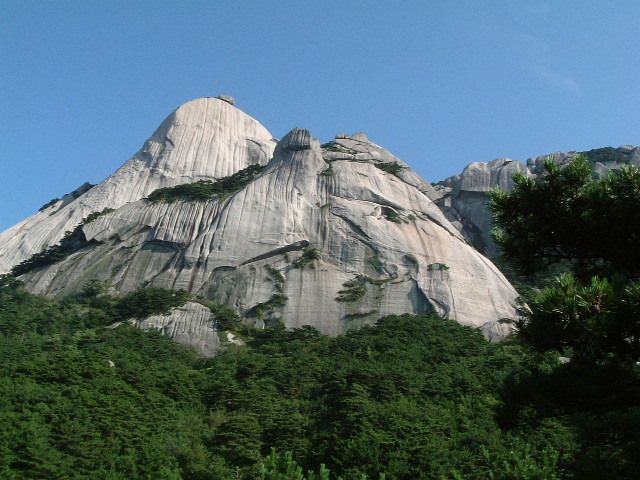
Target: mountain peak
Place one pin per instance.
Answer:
(203, 139)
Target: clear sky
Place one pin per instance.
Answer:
(439, 83)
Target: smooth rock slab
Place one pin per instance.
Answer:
(191, 325)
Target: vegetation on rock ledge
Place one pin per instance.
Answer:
(307, 259)
(204, 190)
(71, 242)
(394, 168)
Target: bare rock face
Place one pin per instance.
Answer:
(206, 138)
(192, 325)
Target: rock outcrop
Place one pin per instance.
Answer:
(192, 324)
(333, 236)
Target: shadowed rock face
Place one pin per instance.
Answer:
(333, 236)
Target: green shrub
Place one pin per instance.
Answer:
(204, 190)
(393, 168)
(151, 301)
(605, 154)
(416, 397)
(92, 216)
(354, 290)
(437, 266)
(70, 243)
(225, 317)
(48, 204)
(392, 216)
(276, 276)
(307, 259)
(265, 309)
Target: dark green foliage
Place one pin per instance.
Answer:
(393, 168)
(283, 467)
(266, 309)
(592, 228)
(599, 402)
(606, 154)
(48, 204)
(336, 147)
(566, 215)
(599, 321)
(392, 216)
(204, 190)
(355, 315)
(570, 224)
(355, 289)
(67, 413)
(74, 194)
(529, 285)
(151, 301)
(276, 276)
(226, 318)
(412, 398)
(70, 243)
(307, 259)
(437, 266)
(93, 216)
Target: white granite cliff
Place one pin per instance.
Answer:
(332, 236)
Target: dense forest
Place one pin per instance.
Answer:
(413, 397)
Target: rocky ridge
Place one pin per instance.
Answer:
(463, 198)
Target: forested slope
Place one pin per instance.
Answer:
(413, 397)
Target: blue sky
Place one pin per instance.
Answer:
(439, 83)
